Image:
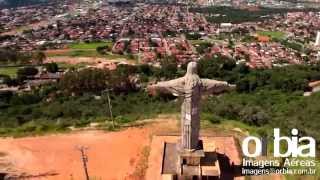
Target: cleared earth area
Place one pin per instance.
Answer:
(111, 155)
(118, 155)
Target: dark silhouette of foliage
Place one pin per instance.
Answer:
(52, 67)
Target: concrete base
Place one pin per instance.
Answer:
(163, 166)
(181, 163)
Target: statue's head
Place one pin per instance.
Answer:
(191, 78)
(192, 68)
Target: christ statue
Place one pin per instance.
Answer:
(190, 87)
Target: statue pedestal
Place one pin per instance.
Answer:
(180, 163)
(190, 156)
(222, 156)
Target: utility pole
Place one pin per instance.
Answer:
(110, 107)
(139, 54)
(84, 159)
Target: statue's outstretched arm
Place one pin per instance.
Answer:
(176, 86)
(213, 86)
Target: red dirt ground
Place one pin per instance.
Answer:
(112, 155)
(74, 60)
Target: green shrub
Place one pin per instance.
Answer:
(52, 67)
(28, 127)
(23, 73)
(81, 123)
(122, 119)
(25, 98)
(211, 118)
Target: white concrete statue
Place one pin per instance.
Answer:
(190, 87)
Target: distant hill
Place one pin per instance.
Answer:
(18, 3)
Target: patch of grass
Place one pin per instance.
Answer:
(36, 127)
(198, 41)
(201, 41)
(23, 28)
(232, 124)
(293, 45)
(10, 71)
(213, 121)
(83, 53)
(272, 34)
(142, 164)
(92, 45)
(76, 66)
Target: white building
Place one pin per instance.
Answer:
(225, 27)
(317, 39)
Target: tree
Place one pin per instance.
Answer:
(247, 84)
(193, 36)
(87, 80)
(5, 79)
(38, 57)
(52, 67)
(230, 43)
(216, 67)
(25, 72)
(169, 68)
(125, 70)
(242, 69)
(202, 47)
(145, 69)
(102, 49)
(9, 56)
